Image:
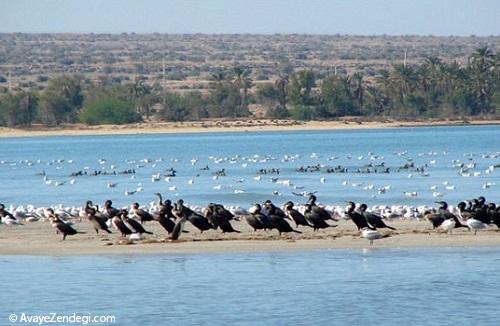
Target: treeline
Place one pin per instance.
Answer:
(431, 89)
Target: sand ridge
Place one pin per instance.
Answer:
(39, 238)
(226, 126)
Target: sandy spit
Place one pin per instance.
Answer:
(38, 238)
(225, 126)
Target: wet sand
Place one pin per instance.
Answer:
(39, 238)
(226, 126)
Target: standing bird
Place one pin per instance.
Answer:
(164, 215)
(374, 219)
(257, 220)
(494, 213)
(295, 215)
(110, 210)
(198, 221)
(98, 222)
(5, 213)
(317, 221)
(277, 218)
(372, 235)
(119, 224)
(221, 217)
(63, 228)
(141, 214)
(357, 218)
(320, 211)
(138, 228)
(179, 226)
(441, 215)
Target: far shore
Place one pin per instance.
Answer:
(250, 125)
(39, 238)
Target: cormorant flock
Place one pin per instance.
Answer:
(475, 215)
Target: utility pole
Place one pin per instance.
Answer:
(10, 81)
(404, 60)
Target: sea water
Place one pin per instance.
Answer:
(30, 168)
(440, 286)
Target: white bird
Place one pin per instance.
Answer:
(257, 178)
(322, 180)
(371, 235)
(448, 225)
(475, 225)
(72, 181)
(173, 188)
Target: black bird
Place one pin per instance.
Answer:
(63, 228)
(4, 213)
(99, 223)
(120, 225)
(221, 217)
(277, 218)
(479, 211)
(257, 220)
(320, 211)
(357, 218)
(295, 215)
(138, 228)
(374, 219)
(141, 214)
(444, 214)
(164, 214)
(313, 218)
(273, 210)
(494, 213)
(198, 221)
(179, 226)
(110, 210)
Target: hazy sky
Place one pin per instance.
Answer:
(424, 17)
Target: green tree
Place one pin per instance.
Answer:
(61, 100)
(109, 110)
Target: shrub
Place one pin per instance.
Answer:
(109, 110)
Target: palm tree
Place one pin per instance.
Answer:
(402, 81)
(358, 90)
(242, 81)
(282, 85)
(138, 93)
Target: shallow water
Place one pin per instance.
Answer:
(242, 155)
(441, 286)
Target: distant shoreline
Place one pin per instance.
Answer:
(249, 125)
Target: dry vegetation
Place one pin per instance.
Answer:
(190, 60)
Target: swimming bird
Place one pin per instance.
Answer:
(374, 219)
(357, 218)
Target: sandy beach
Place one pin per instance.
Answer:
(38, 238)
(227, 126)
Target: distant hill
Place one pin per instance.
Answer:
(187, 61)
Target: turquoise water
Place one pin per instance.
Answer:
(241, 155)
(442, 286)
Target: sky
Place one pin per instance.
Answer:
(361, 17)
